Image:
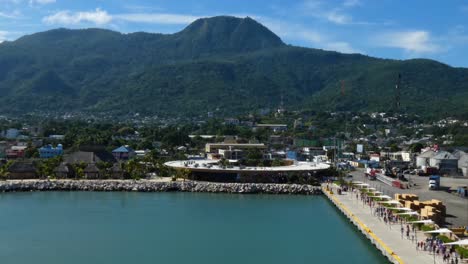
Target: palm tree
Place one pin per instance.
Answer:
(4, 173)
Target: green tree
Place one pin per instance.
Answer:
(4, 170)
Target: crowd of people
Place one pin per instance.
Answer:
(437, 247)
(408, 231)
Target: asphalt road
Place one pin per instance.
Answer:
(457, 207)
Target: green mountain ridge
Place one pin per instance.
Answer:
(224, 64)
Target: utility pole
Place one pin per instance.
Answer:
(397, 94)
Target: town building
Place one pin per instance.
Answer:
(89, 157)
(64, 171)
(22, 170)
(463, 164)
(48, 151)
(423, 159)
(123, 153)
(12, 133)
(91, 171)
(57, 137)
(445, 162)
(15, 152)
(233, 151)
(274, 127)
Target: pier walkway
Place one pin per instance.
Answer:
(386, 237)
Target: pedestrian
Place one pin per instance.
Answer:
(402, 230)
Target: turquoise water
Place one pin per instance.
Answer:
(86, 227)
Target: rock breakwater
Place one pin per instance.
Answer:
(154, 186)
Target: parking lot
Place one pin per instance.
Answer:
(457, 207)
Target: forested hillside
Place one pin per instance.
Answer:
(224, 64)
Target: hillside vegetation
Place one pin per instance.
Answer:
(223, 64)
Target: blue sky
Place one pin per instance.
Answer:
(396, 29)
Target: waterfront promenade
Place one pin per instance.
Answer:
(386, 237)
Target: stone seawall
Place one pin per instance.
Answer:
(153, 186)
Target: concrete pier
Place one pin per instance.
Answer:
(386, 237)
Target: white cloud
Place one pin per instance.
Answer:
(337, 14)
(41, 2)
(341, 46)
(338, 18)
(418, 41)
(10, 15)
(3, 36)
(313, 37)
(98, 17)
(102, 17)
(157, 18)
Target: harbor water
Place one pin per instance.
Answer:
(95, 227)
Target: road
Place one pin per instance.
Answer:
(457, 207)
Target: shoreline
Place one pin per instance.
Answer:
(156, 186)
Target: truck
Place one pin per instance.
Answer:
(434, 182)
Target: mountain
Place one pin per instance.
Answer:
(224, 64)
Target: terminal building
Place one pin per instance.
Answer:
(223, 163)
(231, 151)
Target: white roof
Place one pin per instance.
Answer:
(200, 165)
(427, 154)
(362, 184)
(390, 202)
(463, 242)
(408, 213)
(383, 197)
(403, 209)
(444, 155)
(441, 230)
(428, 221)
(19, 147)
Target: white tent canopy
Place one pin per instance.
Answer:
(442, 230)
(463, 242)
(428, 221)
(376, 192)
(390, 202)
(402, 209)
(383, 197)
(408, 213)
(362, 184)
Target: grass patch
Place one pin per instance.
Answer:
(427, 228)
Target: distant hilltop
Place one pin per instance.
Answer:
(221, 64)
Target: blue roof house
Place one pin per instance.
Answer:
(123, 153)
